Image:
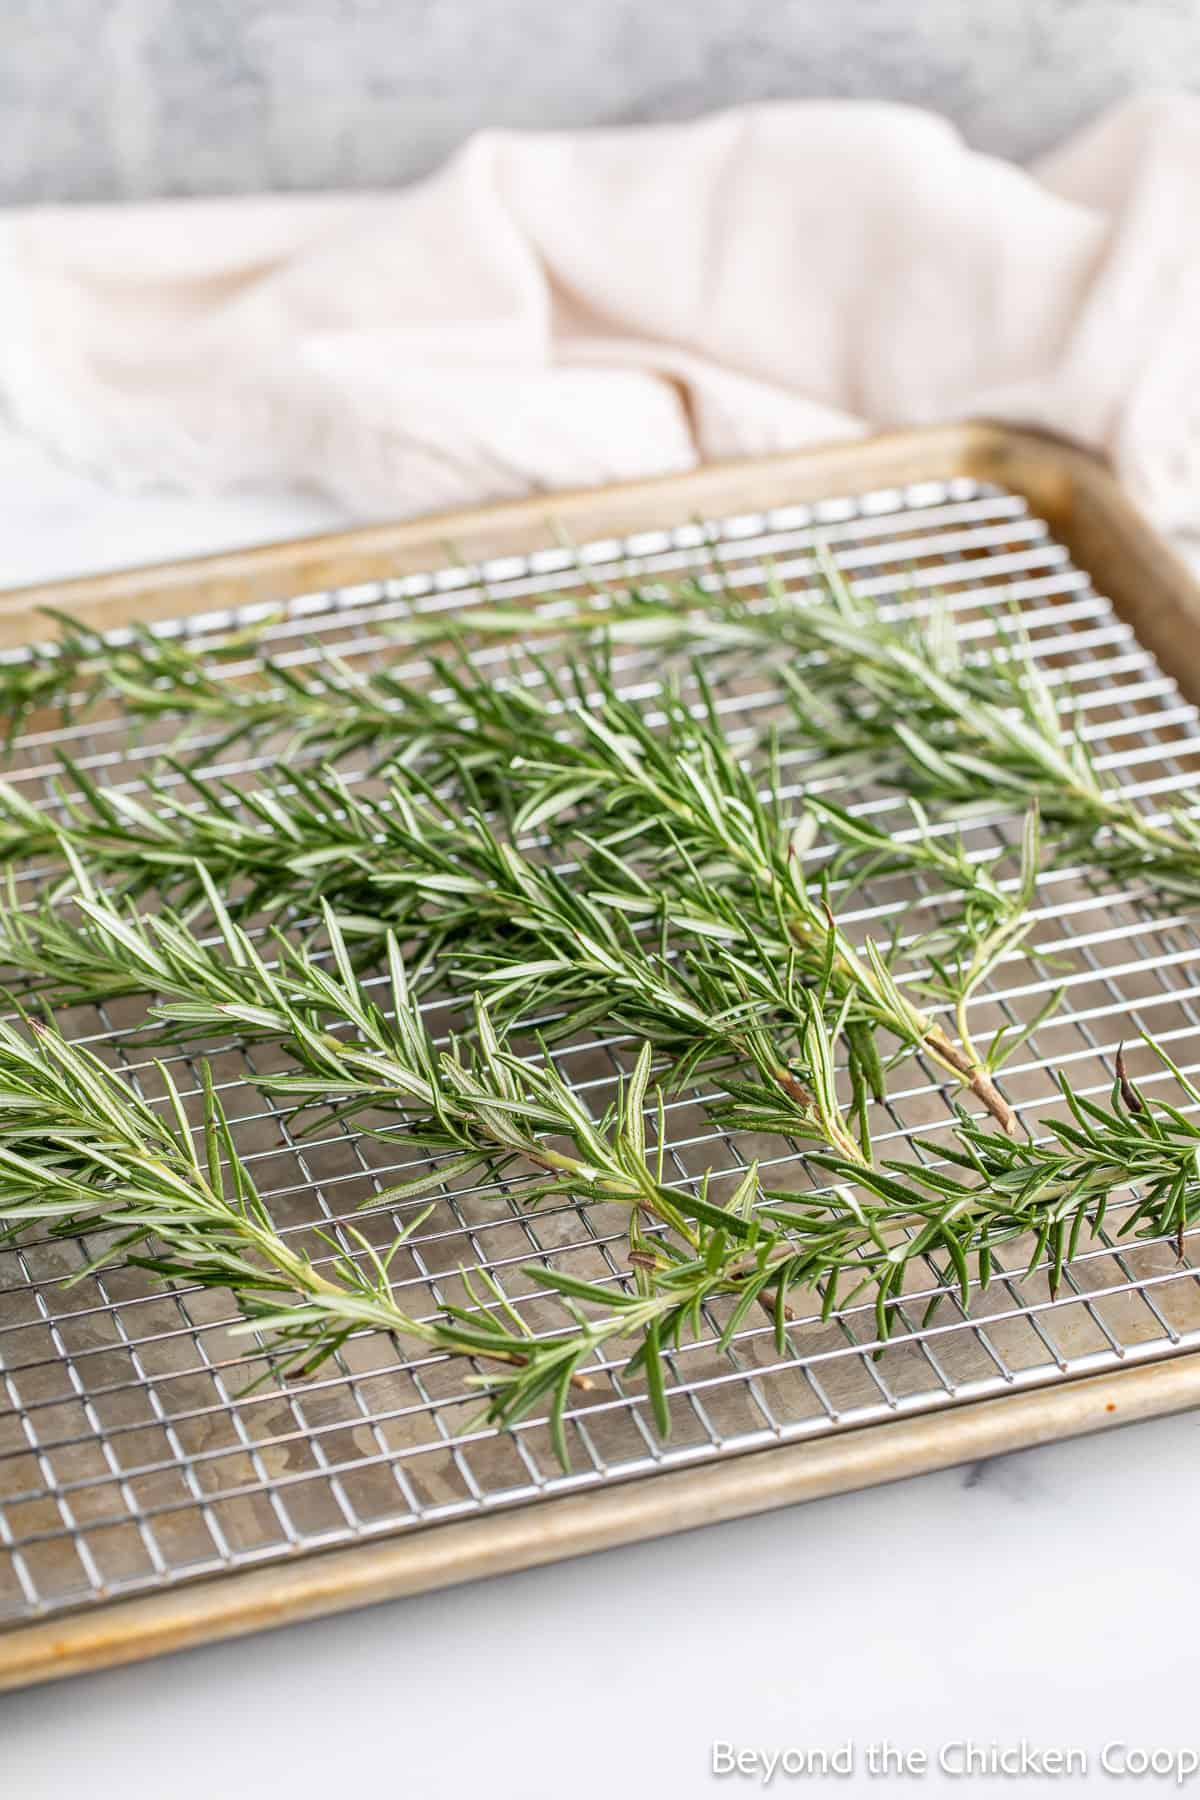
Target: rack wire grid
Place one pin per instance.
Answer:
(132, 1456)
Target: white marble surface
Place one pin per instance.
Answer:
(56, 522)
(1049, 1596)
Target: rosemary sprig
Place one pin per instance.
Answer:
(356, 1054)
(283, 843)
(79, 1151)
(683, 792)
(594, 759)
(720, 859)
(1054, 1188)
(724, 861)
(229, 688)
(553, 946)
(579, 956)
(686, 793)
(870, 1236)
(958, 727)
(966, 729)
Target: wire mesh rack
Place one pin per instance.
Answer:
(136, 1453)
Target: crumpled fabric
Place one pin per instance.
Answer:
(569, 308)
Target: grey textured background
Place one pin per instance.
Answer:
(117, 99)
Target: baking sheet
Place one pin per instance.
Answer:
(144, 1490)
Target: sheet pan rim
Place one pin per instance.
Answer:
(321, 1583)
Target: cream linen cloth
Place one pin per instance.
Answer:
(569, 308)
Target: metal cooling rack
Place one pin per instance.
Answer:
(132, 1458)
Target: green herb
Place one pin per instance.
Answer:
(226, 983)
(973, 730)
(685, 841)
(1053, 1188)
(79, 1151)
(956, 727)
(227, 688)
(559, 855)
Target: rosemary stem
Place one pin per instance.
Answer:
(963, 1062)
(966, 1042)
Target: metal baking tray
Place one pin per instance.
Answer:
(148, 1502)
